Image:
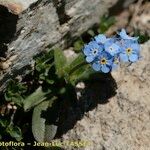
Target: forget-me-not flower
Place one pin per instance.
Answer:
(104, 54)
(130, 51)
(111, 47)
(92, 50)
(100, 39)
(103, 63)
(124, 35)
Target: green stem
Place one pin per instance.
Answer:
(76, 64)
(77, 67)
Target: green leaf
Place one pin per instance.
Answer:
(91, 33)
(78, 45)
(34, 99)
(45, 57)
(14, 92)
(78, 70)
(142, 38)
(49, 81)
(60, 62)
(42, 130)
(76, 63)
(16, 87)
(80, 74)
(15, 132)
(4, 122)
(105, 23)
(14, 97)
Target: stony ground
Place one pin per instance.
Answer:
(114, 121)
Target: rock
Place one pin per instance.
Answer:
(17, 6)
(43, 26)
(122, 122)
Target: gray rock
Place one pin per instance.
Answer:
(17, 6)
(44, 25)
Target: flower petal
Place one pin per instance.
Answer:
(101, 38)
(86, 50)
(105, 69)
(114, 66)
(124, 35)
(124, 57)
(109, 62)
(89, 58)
(96, 66)
(135, 47)
(133, 57)
(113, 49)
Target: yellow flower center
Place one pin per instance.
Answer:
(103, 61)
(129, 51)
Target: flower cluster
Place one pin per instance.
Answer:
(104, 54)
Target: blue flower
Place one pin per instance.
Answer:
(124, 36)
(100, 39)
(130, 51)
(92, 50)
(103, 63)
(105, 54)
(111, 47)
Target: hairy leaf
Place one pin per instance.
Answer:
(43, 130)
(60, 62)
(34, 99)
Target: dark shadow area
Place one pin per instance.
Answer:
(37, 4)
(60, 8)
(67, 110)
(98, 89)
(8, 23)
(51, 115)
(117, 8)
(86, 37)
